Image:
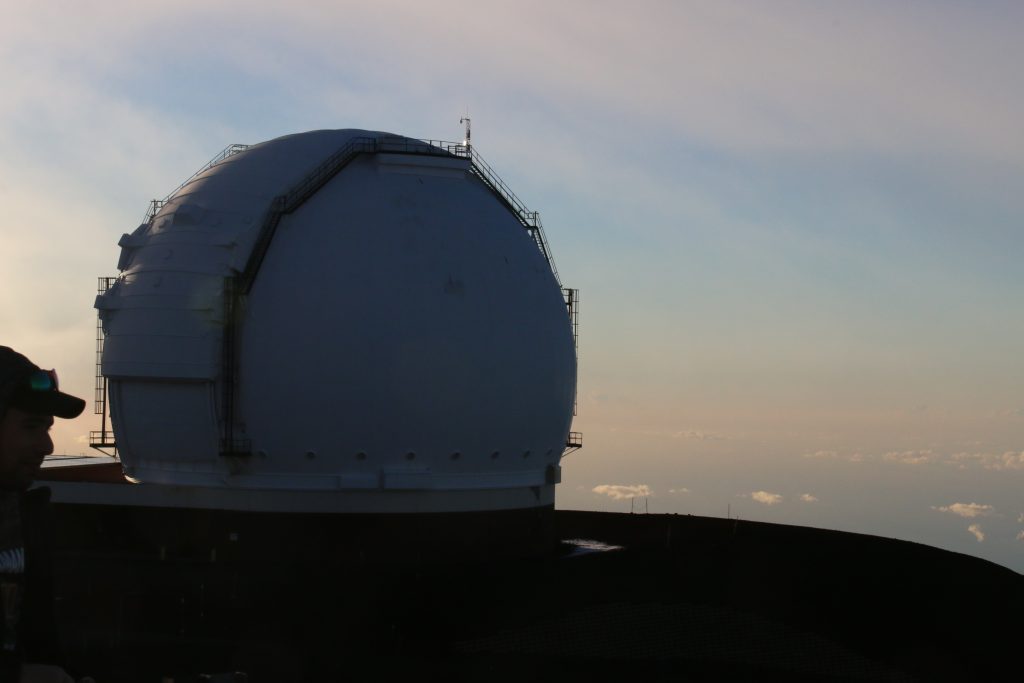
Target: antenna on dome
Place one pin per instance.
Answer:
(466, 140)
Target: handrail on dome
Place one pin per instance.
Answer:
(327, 169)
(156, 204)
(332, 165)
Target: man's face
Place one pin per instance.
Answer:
(24, 442)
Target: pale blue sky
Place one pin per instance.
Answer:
(796, 226)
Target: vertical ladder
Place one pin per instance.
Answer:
(103, 438)
(572, 303)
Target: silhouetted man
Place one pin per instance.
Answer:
(29, 400)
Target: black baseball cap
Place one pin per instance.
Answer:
(25, 386)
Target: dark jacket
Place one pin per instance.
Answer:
(36, 627)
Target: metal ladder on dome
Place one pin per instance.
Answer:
(104, 438)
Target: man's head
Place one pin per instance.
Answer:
(29, 400)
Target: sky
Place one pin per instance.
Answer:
(796, 227)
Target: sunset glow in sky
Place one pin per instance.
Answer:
(797, 227)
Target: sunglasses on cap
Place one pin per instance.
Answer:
(38, 393)
(43, 380)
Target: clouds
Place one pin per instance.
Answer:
(1004, 461)
(766, 498)
(691, 434)
(1008, 460)
(800, 82)
(978, 510)
(623, 491)
(822, 455)
(627, 491)
(698, 435)
(968, 510)
(769, 498)
(910, 457)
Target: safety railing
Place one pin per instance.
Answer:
(156, 204)
(102, 439)
(573, 442)
(391, 144)
(529, 219)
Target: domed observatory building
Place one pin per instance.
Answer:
(341, 321)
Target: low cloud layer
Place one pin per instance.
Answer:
(978, 533)
(766, 497)
(969, 510)
(692, 434)
(911, 457)
(698, 435)
(623, 491)
(1009, 460)
(808, 498)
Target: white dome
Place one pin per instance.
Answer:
(403, 340)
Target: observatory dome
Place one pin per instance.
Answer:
(369, 318)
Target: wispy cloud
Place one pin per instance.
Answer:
(822, 455)
(623, 491)
(978, 533)
(1008, 460)
(766, 497)
(1020, 536)
(808, 498)
(681, 489)
(699, 435)
(970, 510)
(1013, 461)
(692, 434)
(825, 454)
(911, 457)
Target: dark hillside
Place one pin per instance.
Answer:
(929, 613)
(148, 594)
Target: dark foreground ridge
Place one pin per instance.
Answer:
(148, 594)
